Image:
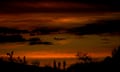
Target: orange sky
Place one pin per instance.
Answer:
(39, 55)
(32, 15)
(91, 44)
(32, 20)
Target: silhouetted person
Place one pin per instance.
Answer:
(64, 65)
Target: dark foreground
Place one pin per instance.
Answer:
(78, 67)
(109, 64)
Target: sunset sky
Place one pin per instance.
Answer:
(86, 26)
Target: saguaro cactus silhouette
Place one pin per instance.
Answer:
(10, 56)
(54, 64)
(59, 65)
(64, 65)
(24, 60)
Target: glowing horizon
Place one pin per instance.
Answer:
(61, 29)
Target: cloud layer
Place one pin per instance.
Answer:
(107, 26)
(33, 6)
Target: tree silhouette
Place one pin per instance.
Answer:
(108, 59)
(116, 55)
(84, 57)
(10, 56)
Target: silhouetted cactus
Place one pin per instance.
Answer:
(10, 56)
(64, 65)
(59, 65)
(54, 64)
(24, 60)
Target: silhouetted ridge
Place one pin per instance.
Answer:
(109, 64)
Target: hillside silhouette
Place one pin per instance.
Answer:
(19, 64)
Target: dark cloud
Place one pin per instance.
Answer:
(11, 35)
(57, 38)
(43, 43)
(6, 30)
(11, 38)
(34, 41)
(36, 31)
(104, 26)
(85, 1)
(46, 30)
(30, 6)
(19, 38)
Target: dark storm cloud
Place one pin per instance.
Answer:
(25, 6)
(103, 26)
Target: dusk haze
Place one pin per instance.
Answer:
(59, 35)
